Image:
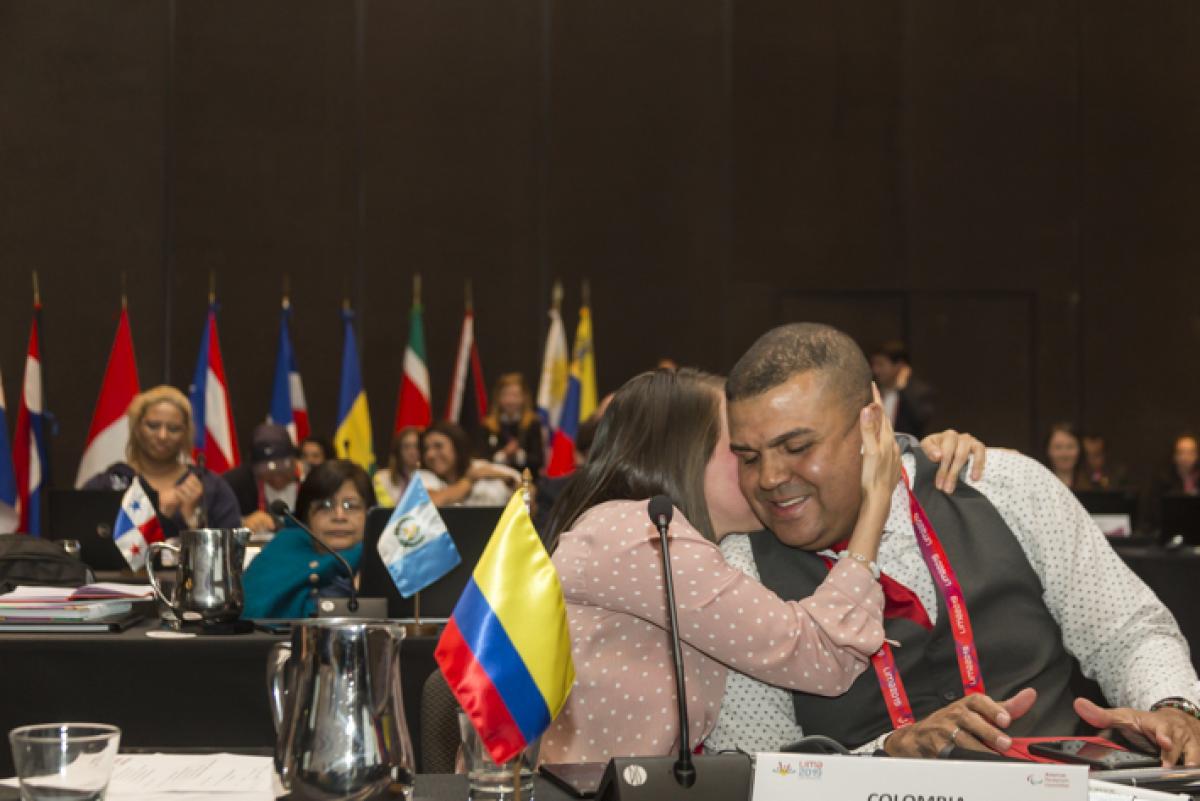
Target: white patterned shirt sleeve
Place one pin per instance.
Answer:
(1123, 636)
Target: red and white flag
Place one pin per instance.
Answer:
(467, 404)
(29, 441)
(110, 427)
(216, 444)
(413, 406)
(136, 526)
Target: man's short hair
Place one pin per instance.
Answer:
(797, 348)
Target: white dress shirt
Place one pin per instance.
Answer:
(1122, 635)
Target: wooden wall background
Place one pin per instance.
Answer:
(1012, 188)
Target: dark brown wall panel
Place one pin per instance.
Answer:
(450, 162)
(81, 182)
(263, 180)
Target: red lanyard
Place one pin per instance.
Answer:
(890, 684)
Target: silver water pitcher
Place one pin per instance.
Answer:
(336, 700)
(208, 576)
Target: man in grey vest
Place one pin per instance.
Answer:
(1029, 582)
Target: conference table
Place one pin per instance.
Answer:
(210, 691)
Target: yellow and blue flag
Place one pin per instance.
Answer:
(353, 436)
(506, 650)
(583, 364)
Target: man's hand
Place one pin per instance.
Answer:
(974, 722)
(1173, 732)
(952, 449)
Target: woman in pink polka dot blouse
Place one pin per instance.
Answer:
(665, 433)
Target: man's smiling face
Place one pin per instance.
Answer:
(799, 460)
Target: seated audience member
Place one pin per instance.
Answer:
(292, 571)
(404, 458)
(511, 433)
(1064, 455)
(1180, 476)
(453, 477)
(908, 401)
(158, 454)
(314, 451)
(664, 433)
(270, 476)
(1098, 469)
(1040, 583)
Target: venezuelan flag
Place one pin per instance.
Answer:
(353, 437)
(583, 363)
(506, 650)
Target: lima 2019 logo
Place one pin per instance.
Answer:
(801, 769)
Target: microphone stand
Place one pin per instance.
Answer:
(711, 777)
(281, 509)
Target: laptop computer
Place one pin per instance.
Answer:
(87, 516)
(470, 527)
(1114, 512)
(1181, 518)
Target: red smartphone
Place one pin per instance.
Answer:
(1098, 756)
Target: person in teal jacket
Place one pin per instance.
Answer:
(285, 580)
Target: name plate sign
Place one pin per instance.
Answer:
(791, 777)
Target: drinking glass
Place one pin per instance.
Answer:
(488, 781)
(64, 761)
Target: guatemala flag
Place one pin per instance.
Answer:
(29, 443)
(415, 545)
(8, 478)
(288, 407)
(216, 444)
(137, 525)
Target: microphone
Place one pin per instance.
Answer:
(661, 511)
(724, 777)
(279, 508)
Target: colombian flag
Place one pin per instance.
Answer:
(506, 650)
(353, 437)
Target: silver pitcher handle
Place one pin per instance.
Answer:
(155, 547)
(277, 661)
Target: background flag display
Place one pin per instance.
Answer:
(552, 388)
(414, 406)
(506, 650)
(352, 440)
(8, 478)
(467, 404)
(110, 428)
(137, 525)
(583, 355)
(288, 407)
(415, 545)
(29, 442)
(562, 443)
(216, 438)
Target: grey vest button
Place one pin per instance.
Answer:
(950, 695)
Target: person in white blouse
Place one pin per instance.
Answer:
(1038, 580)
(453, 477)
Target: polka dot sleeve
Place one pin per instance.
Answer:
(821, 644)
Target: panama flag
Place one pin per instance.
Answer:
(110, 428)
(216, 438)
(552, 388)
(468, 397)
(415, 545)
(288, 407)
(29, 444)
(353, 436)
(8, 478)
(414, 407)
(137, 526)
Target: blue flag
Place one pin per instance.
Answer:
(415, 545)
(8, 476)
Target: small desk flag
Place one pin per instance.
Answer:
(137, 525)
(506, 650)
(415, 546)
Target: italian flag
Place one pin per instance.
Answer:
(413, 407)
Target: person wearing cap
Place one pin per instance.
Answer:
(270, 476)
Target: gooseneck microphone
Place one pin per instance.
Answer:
(279, 508)
(661, 511)
(709, 777)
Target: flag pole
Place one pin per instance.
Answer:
(124, 292)
(287, 286)
(470, 298)
(416, 289)
(556, 296)
(212, 287)
(586, 292)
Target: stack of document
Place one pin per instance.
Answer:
(93, 602)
